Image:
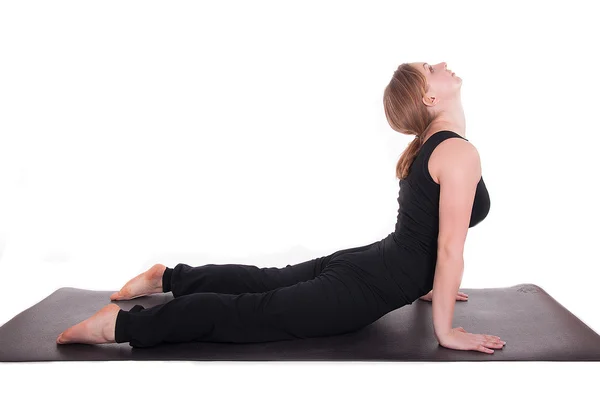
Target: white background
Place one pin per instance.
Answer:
(143, 132)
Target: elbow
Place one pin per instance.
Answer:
(450, 252)
(452, 264)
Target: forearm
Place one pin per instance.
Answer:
(446, 282)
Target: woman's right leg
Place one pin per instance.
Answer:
(241, 278)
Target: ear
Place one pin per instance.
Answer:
(429, 103)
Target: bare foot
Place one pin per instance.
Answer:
(142, 285)
(97, 329)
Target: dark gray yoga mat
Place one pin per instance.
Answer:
(534, 325)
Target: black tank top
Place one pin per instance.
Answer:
(417, 225)
(410, 252)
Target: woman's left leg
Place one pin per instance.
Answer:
(184, 279)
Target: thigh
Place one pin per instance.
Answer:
(357, 249)
(316, 265)
(262, 279)
(334, 302)
(370, 269)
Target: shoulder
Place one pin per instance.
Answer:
(452, 154)
(459, 175)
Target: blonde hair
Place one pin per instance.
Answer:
(405, 111)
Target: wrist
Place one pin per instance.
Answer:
(441, 336)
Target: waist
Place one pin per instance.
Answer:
(410, 242)
(413, 269)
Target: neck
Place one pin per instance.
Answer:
(452, 119)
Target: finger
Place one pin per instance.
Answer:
(498, 345)
(482, 348)
(494, 342)
(492, 337)
(487, 339)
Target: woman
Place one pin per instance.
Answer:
(441, 195)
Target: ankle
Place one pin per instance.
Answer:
(155, 274)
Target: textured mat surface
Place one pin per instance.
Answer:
(534, 325)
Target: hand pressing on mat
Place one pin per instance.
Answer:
(460, 296)
(460, 339)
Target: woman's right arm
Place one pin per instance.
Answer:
(458, 183)
(459, 174)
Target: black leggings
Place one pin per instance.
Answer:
(238, 303)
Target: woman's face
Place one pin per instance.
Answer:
(441, 82)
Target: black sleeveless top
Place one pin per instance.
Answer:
(410, 252)
(417, 225)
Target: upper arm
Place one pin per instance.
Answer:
(460, 172)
